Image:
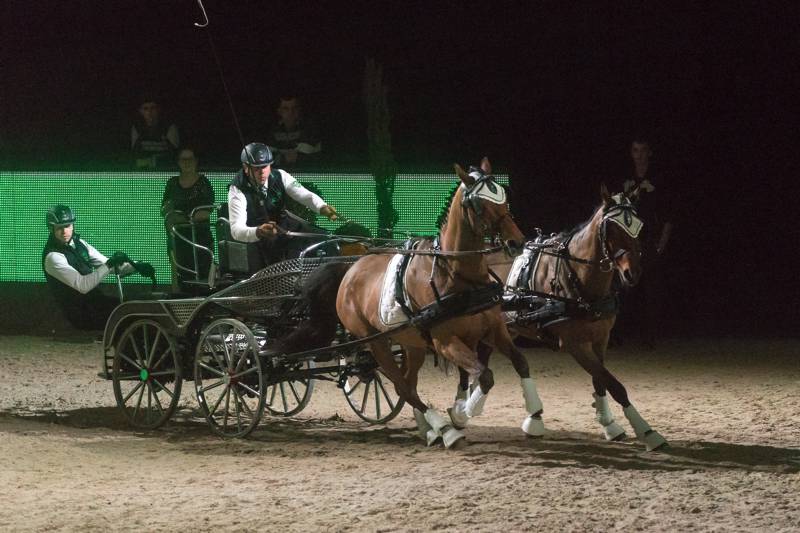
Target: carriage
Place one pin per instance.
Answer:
(224, 342)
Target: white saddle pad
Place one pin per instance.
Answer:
(391, 313)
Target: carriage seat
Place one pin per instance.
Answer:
(236, 259)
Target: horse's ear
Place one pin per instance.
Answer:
(633, 195)
(465, 178)
(607, 200)
(486, 167)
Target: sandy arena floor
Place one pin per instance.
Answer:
(730, 410)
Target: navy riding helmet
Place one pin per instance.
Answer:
(60, 215)
(257, 155)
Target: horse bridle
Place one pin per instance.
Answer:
(483, 188)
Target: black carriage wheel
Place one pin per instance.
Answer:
(228, 378)
(371, 394)
(146, 373)
(289, 397)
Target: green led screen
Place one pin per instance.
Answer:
(121, 211)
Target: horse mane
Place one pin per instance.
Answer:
(441, 220)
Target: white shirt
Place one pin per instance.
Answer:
(237, 205)
(56, 265)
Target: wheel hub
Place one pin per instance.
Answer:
(144, 375)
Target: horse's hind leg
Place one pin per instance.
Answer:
(583, 354)
(430, 423)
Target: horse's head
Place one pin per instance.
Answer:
(619, 236)
(485, 205)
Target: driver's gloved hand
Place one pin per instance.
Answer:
(117, 260)
(145, 269)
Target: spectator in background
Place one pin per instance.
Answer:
(182, 194)
(293, 139)
(645, 302)
(154, 143)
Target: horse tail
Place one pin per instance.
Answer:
(316, 305)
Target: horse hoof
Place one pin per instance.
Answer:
(432, 437)
(457, 415)
(451, 436)
(653, 440)
(613, 432)
(533, 426)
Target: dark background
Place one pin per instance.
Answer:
(553, 94)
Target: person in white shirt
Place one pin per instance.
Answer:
(257, 205)
(74, 269)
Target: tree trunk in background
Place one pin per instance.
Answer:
(382, 163)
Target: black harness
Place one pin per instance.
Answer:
(548, 308)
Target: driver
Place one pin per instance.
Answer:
(257, 205)
(74, 269)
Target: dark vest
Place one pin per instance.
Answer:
(78, 258)
(262, 208)
(152, 142)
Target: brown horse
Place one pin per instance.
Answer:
(455, 268)
(576, 269)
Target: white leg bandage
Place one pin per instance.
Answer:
(602, 410)
(461, 394)
(422, 425)
(458, 414)
(474, 406)
(436, 420)
(533, 404)
(652, 439)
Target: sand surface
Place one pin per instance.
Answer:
(729, 408)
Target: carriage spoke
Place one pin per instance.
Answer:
(152, 354)
(238, 411)
(155, 396)
(149, 402)
(219, 400)
(248, 389)
(294, 391)
(272, 395)
(227, 407)
(379, 383)
(129, 377)
(365, 398)
(131, 361)
(283, 397)
(163, 373)
(138, 402)
(131, 393)
(212, 386)
(163, 387)
(212, 370)
(377, 400)
(248, 371)
(244, 404)
(353, 389)
(225, 348)
(163, 358)
(146, 345)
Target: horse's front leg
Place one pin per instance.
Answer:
(533, 424)
(611, 430)
(457, 412)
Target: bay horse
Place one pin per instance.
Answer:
(454, 265)
(577, 268)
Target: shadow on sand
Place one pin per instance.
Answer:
(188, 430)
